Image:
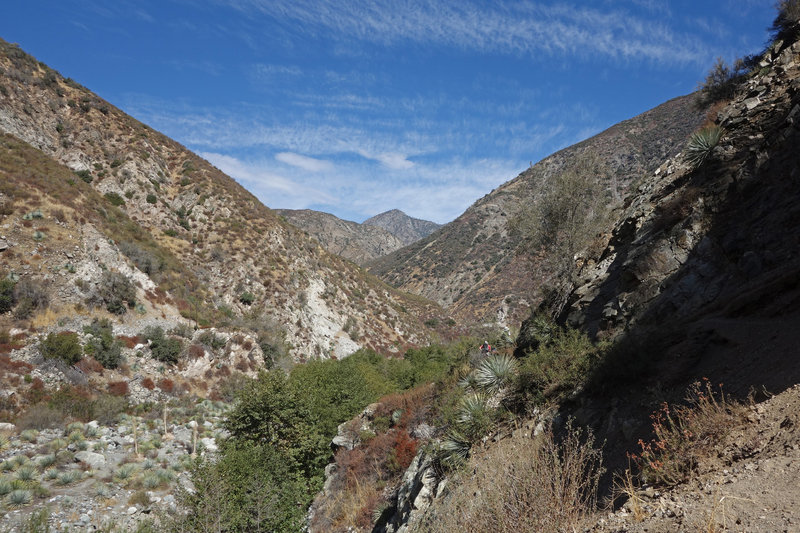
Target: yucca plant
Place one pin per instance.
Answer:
(75, 436)
(57, 444)
(701, 144)
(72, 427)
(29, 435)
(69, 477)
(496, 372)
(46, 461)
(125, 472)
(454, 449)
(19, 497)
(150, 481)
(18, 460)
(26, 473)
(5, 486)
(165, 476)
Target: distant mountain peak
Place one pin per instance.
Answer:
(402, 226)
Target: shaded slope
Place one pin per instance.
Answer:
(470, 264)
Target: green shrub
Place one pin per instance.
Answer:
(164, 349)
(85, 175)
(151, 198)
(114, 198)
(145, 260)
(721, 82)
(6, 295)
(102, 345)
(252, 487)
(208, 338)
(64, 346)
(558, 367)
(702, 144)
(247, 298)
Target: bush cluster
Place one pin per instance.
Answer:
(288, 421)
(164, 349)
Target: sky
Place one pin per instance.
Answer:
(356, 107)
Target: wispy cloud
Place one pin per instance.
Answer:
(526, 28)
(306, 163)
(357, 190)
(390, 160)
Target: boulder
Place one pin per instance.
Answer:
(7, 429)
(94, 460)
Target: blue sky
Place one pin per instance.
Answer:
(356, 107)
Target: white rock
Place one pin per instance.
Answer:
(95, 460)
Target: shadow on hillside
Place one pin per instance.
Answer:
(730, 313)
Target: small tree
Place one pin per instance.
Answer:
(29, 295)
(786, 25)
(102, 345)
(6, 295)
(115, 290)
(561, 222)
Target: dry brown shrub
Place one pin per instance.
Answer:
(686, 435)
(523, 485)
(196, 351)
(148, 384)
(166, 385)
(40, 416)
(130, 342)
(89, 364)
(118, 388)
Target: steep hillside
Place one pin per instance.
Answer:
(359, 243)
(711, 251)
(470, 265)
(404, 227)
(233, 256)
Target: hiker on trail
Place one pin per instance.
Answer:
(486, 348)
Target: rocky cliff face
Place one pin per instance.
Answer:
(402, 226)
(471, 266)
(359, 243)
(224, 251)
(720, 239)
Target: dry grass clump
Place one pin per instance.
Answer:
(687, 434)
(523, 485)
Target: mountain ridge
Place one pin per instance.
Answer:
(470, 265)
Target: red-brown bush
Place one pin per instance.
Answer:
(118, 388)
(89, 364)
(130, 342)
(196, 351)
(148, 384)
(166, 385)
